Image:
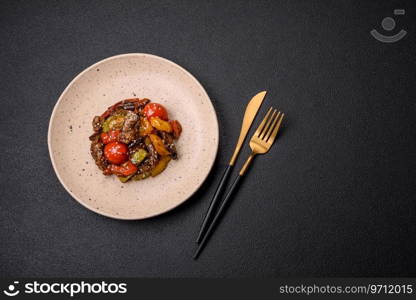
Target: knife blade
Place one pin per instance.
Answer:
(251, 112)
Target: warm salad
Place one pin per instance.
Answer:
(134, 139)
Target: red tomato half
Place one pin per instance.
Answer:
(116, 152)
(155, 110)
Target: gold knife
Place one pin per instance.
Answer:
(251, 112)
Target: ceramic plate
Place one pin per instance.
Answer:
(103, 84)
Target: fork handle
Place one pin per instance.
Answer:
(247, 163)
(214, 202)
(217, 216)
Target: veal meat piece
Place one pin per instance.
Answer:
(128, 133)
(97, 151)
(137, 143)
(97, 123)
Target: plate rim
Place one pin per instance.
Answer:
(55, 108)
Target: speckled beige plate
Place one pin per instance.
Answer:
(103, 84)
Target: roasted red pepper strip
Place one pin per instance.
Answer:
(177, 128)
(110, 110)
(120, 103)
(126, 169)
(109, 137)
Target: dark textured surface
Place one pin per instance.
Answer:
(335, 196)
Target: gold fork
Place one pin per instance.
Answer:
(260, 143)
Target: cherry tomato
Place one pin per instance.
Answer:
(155, 110)
(116, 152)
(111, 136)
(126, 169)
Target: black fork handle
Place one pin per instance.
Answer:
(214, 202)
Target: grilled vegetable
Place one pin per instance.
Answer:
(124, 179)
(161, 165)
(112, 123)
(138, 156)
(141, 176)
(145, 127)
(134, 139)
(126, 169)
(110, 136)
(167, 139)
(158, 144)
(160, 124)
(137, 103)
(177, 128)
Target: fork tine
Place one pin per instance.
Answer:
(266, 128)
(261, 126)
(275, 130)
(270, 129)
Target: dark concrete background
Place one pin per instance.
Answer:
(335, 196)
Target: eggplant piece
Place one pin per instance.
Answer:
(153, 157)
(167, 139)
(137, 142)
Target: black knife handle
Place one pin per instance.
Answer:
(217, 216)
(214, 202)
